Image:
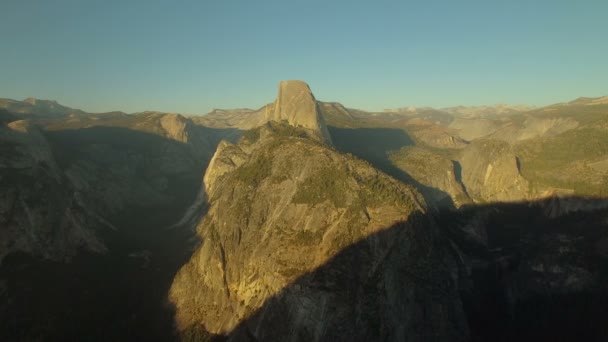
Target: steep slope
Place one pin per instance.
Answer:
(530, 127)
(538, 270)
(140, 161)
(570, 162)
(111, 184)
(34, 108)
(99, 169)
(544, 122)
(438, 117)
(471, 129)
(242, 119)
(335, 114)
(431, 134)
(296, 104)
(40, 212)
(282, 205)
(471, 112)
(491, 172)
(440, 175)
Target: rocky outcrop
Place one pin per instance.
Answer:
(175, 127)
(440, 139)
(301, 243)
(31, 143)
(147, 160)
(296, 104)
(439, 176)
(242, 119)
(490, 172)
(471, 129)
(538, 269)
(36, 108)
(40, 213)
(471, 112)
(227, 157)
(534, 127)
(107, 184)
(434, 135)
(69, 181)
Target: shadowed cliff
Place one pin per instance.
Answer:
(375, 145)
(138, 182)
(520, 271)
(371, 144)
(510, 272)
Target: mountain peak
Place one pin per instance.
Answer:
(34, 101)
(297, 105)
(30, 100)
(589, 101)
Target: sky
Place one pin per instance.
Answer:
(192, 56)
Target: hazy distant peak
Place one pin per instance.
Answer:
(409, 109)
(590, 101)
(487, 111)
(230, 111)
(36, 107)
(38, 102)
(30, 100)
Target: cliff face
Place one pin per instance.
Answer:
(40, 212)
(296, 104)
(107, 184)
(281, 206)
(66, 180)
(302, 243)
(537, 269)
(490, 172)
(439, 175)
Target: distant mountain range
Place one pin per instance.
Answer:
(49, 108)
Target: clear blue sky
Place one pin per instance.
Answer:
(192, 56)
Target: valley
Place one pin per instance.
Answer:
(304, 220)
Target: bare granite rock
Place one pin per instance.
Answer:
(490, 172)
(296, 104)
(302, 243)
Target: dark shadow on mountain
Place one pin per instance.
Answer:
(371, 144)
(153, 158)
(120, 295)
(538, 270)
(6, 116)
(528, 271)
(521, 271)
(458, 175)
(215, 135)
(374, 146)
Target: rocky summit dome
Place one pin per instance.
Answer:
(296, 104)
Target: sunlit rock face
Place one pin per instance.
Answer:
(301, 243)
(439, 176)
(296, 104)
(490, 172)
